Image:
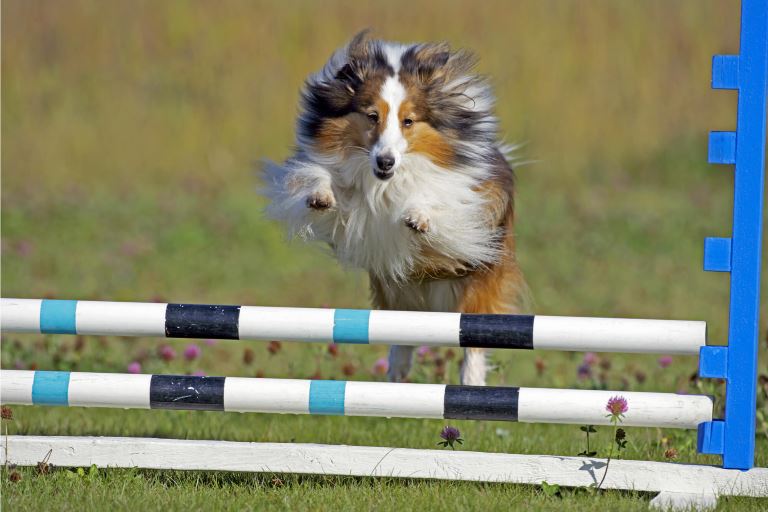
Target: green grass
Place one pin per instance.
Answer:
(129, 489)
(129, 141)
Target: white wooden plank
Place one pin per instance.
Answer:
(382, 461)
(668, 500)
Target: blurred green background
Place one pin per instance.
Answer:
(133, 130)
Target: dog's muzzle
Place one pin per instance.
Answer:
(384, 169)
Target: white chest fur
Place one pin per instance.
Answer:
(366, 227)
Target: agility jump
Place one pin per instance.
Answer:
(732, 437)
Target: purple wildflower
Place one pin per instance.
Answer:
(423, 351)
(134, 367)
(450, 435)
(617, 405)
(198, 373)
(381, 366)
(584, 372)
(167, 353)
(665, 361)
(192, 352)
(590, 359)
(211, 342)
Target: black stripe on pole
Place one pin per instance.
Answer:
(496, 331)
(186, 392)
(480, 403)
(202, 321)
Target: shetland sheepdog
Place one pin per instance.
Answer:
(399, 169)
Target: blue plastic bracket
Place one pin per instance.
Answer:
(711, 437)
(713, 362)
(717, 254)
(734, 436)
(725, 72)
(722, 148)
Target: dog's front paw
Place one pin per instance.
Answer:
(321, 201)
(417, 221)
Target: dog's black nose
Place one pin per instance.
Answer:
(385, 162)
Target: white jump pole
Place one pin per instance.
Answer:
(352, 326)
(349, 398)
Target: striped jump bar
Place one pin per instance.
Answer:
(348, 398)
(352, 326)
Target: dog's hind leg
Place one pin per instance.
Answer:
(474, 368)
(400, 361)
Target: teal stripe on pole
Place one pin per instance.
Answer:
(58, 316)
(50, 388)
(327, 397)
(351, 325)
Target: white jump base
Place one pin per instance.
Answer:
(679, 485)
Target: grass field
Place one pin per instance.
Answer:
(131, 131)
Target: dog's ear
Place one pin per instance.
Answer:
(435, 63)
(425, 62)
(351, 74)
(349, 77)
(358, 48)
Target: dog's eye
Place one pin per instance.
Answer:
(407, 122)
(373, 117)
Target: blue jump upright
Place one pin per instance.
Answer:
(733, 437)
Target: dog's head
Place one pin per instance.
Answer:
(389, 101)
